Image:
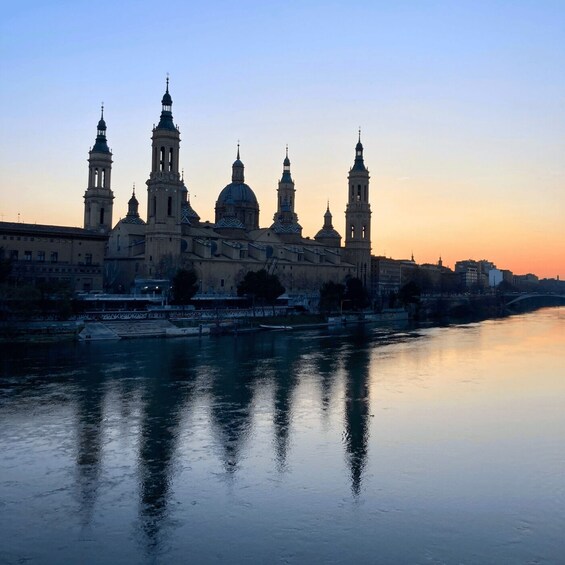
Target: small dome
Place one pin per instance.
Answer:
(101, 124)
(286, 161)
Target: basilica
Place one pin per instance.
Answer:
(172, 234)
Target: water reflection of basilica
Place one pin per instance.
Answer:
(226, 375)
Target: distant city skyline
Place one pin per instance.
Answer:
(460, 106)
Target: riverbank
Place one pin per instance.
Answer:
(130, 325)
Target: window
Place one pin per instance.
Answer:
(88, 258)
(95, 177)
(170, 206)
(101, 215)
(103, 182)
(222, 283)
(41, 256)
(54, 256)
(171, 159)
(154, 206)
(364, 230)
(27, 255)
(162, 160)
(358, 193)
(352, 231)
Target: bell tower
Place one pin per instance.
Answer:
(99, 198)
(164, 196)
(358, 217)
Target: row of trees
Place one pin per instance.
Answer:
(349, 296)
(263, 289)
(260, 287)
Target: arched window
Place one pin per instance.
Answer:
(154, 206)
(162, 160)
(352, 191)
(96, 177)
(352, 231)
(364, 232)
(101, 216)
(155, 159)
(366, 196)
(358, 193)
(171, 159)
(170, 206)
(103, 181)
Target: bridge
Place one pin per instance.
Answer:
(550, 299)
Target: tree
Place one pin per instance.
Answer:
(184, 286)
(355, 294)
(262, 286)
(331, 295)
(409, 293)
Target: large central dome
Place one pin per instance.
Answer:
(237, 200)
(238, 193)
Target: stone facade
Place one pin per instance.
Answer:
(42, 254)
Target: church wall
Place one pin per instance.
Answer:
(221, 276)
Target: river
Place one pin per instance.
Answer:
(360, 445)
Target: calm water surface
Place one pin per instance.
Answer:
(442, 445)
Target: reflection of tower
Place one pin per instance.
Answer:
(89, 402)
(327, 367)
(162, 412)
(286, 379)
(357, 408)
(358, 217)
(232, 400)
(99, 198)
(164, 195)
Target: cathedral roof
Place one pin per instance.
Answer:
(229, 222)
(132, 220)
(284, 227)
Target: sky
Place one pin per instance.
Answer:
(461, 106)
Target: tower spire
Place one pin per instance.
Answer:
(237, 168)
(166, 121)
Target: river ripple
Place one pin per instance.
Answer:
(439, 445)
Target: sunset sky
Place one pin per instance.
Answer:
(461, 105)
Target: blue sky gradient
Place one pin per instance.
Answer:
(461, 104)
